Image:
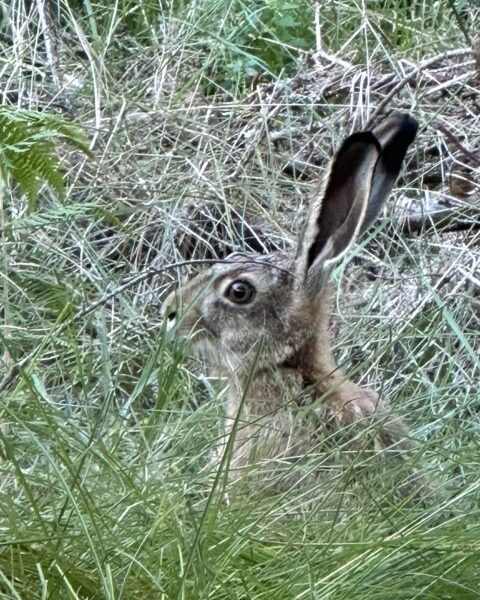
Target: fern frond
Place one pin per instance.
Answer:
(28, 149)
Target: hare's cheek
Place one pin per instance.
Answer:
(189, 322)
(205, 318)
(214, 319)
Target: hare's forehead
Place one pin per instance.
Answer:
(267, 263)
(264, 272)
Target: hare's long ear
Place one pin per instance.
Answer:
(395, 135)
(361, 177)
(337, 216)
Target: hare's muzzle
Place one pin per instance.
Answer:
(171, 319)
(169, 311)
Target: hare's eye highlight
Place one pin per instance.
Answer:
(240, 292)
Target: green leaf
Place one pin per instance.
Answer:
(28, 149)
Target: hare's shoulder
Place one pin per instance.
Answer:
(335, 398)
(277, 389)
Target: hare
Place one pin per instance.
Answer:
(261, 321)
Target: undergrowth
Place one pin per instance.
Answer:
(107, 485)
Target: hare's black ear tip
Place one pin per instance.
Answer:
(399, 133)
(407, 127)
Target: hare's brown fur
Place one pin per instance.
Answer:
(262, 321)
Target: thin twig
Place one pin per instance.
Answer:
(419, 68)
(456, 142)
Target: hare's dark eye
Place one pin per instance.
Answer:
(240, 292)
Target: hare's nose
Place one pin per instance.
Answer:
(169, 312)
(171, 318)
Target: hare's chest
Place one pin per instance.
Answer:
(272, 392)
(267, 417)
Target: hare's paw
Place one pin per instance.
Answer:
(355, 404)
(352, 403)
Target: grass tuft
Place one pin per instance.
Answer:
(209, 130)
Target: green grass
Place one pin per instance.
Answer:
(107, 490)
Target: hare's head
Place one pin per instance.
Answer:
(272, 308)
